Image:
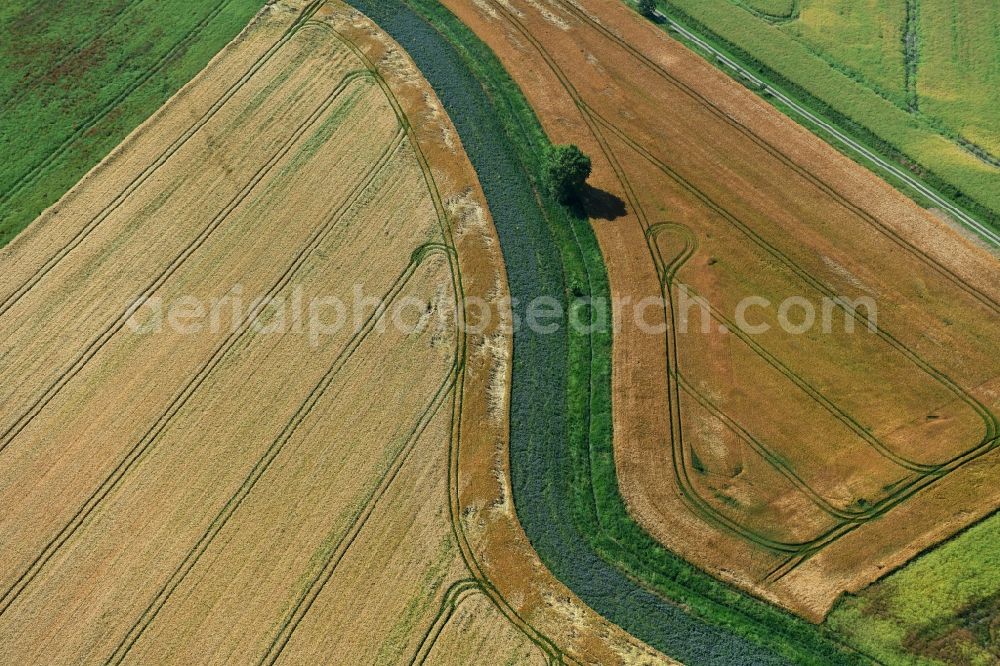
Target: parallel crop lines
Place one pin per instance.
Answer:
(264, 462)
(319, 581)
(133, 185)
(112, 328)
(141, 448)
(449, 391)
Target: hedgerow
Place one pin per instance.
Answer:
(564, 483)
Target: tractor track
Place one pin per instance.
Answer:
(798, 551)
(135, 183)
(109, 331)
(267, 458)
(794, 11)
(453, 598)
(142, 447)
(323, 575)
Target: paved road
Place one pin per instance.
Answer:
(982, 230)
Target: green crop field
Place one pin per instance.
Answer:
(78, 77)
(913, 79)
(862, 39)
(958, 72)
(942, 608)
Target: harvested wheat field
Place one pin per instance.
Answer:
(797, 462)
(201, 457)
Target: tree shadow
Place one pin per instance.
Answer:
(656, 17)
(600, 205)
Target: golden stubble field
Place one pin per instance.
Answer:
(797, 465)
(236, 482)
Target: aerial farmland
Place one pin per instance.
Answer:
(506, 331)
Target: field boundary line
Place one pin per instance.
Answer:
(777, 153)
(96, 344)
(139, 180)
(140, 449)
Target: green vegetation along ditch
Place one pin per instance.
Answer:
(941, 608)
(79, 76)
(565, 487)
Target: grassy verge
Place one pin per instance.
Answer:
(925, 149)
(79, 77)
(938, 608)
(565, 487)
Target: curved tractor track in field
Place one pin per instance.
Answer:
(545, 644)
(793, 13)
(799, 551)
(450, 388)
(456, 595)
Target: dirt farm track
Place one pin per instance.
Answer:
(797, 466)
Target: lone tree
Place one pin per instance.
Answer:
(647, 7)
(567, 169)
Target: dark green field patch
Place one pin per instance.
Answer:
(79, 77)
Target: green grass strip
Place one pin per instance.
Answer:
(564, 481)
(79, 77)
